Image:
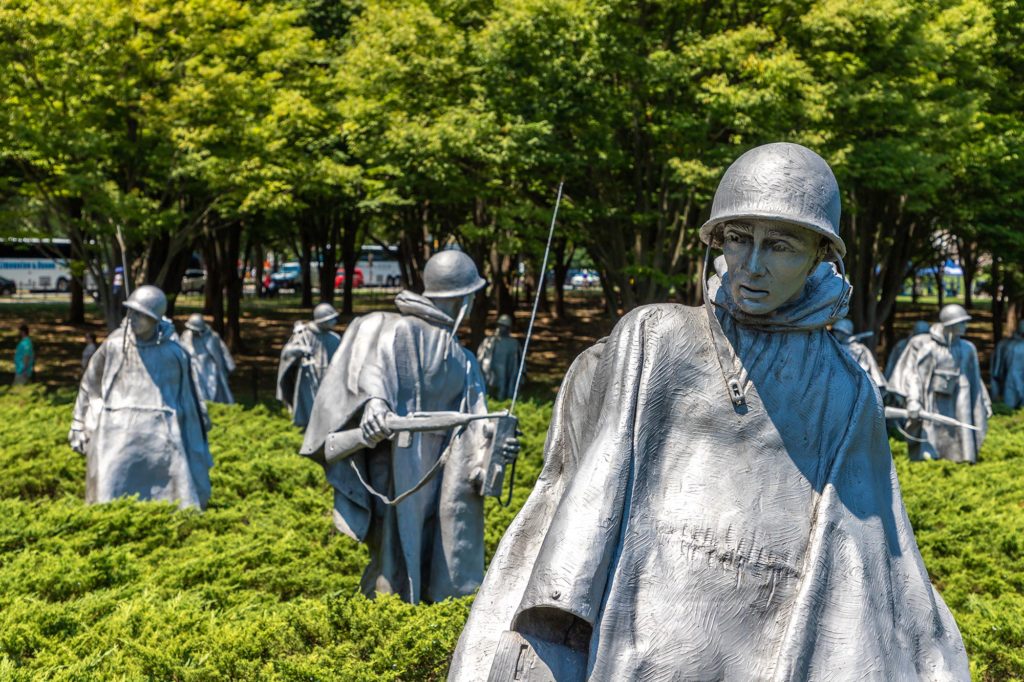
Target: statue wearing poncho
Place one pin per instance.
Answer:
(676, 535)
(304, 361)
(939, 372)
(500, 356)
(139, 419)
(920, 327)
(1008, 369)
(430, 545)
(861, 354)
(212, 360)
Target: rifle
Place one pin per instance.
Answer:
(344, 443)
(900, 413)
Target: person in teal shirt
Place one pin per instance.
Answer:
(24, 357)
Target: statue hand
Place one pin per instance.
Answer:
(913, 409)
(510, 449)
(78, 440)
(374, 421)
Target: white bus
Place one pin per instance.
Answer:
(36, 264)
(380, 267)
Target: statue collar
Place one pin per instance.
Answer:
(422, 307)
(825, 300)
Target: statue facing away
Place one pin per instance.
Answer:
(861, 354)
(939, 373)
(1008, 369)
(416, 500)
(920, 327)
(718, 499)
(499, 357)
(304, 361)
(139, 419)
(213, 361)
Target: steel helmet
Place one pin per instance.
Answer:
(920, 327)
(779, 181)
(952, 314)
(843, 326)
(149, 301)
(196, 323)
(324, 312)
(505, 320)
(450, 274)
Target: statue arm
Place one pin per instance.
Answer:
(89, 390)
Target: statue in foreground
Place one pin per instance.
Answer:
(861, 354)
(1008, 369)
(213, 361)
(718, 498)
(499, 357)
(920, 327)
(304, 361)
(939, 373)
(415, 498)
(139, 419)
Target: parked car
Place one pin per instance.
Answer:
(9, 288)
(357, 280)
(583, 279)
(194, 281)
(288, 277)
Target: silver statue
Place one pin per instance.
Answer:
(718, 499)
(427, 542)
(304, 361)
(938, 373)
(213, 361)
(920, 327)
(861, 354)
(139, 419)
(499, 357)
(1008, 369)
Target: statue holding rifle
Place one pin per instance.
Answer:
(304, 360)
(400, 425)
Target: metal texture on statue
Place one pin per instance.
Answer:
(139, 419)
(211, 357)
(920, 327)
(499, 356)
(413, 496)
(939, 372)
(1008, 369)
(675, 534)
(304, 361)
(861, 354)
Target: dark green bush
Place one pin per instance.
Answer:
(260, 587)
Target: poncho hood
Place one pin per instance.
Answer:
(824, 300)
(422, 307)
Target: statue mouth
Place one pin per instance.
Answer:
(752, 293)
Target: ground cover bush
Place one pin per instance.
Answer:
(260, 587)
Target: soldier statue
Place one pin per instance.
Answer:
(1008, 369)
(862, 355)
(414, 498)
(500, 357)
(212, 359)
(304, 361)
(718, 499)
(939, 373)
(139, 419)
(920, 327)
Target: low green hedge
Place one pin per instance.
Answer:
(260, 587)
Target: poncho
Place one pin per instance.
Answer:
(213, 363)
(947, 380)
(499, 358)
(673, 536)
(304, 361)
(863, 356)
(145, 423)
(1008, 371)
(429, 546)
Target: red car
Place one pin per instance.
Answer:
(339, 279)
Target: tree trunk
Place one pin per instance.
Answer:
(998, 300)
(232, 286)
(259, 256)
(939, 272)
(76, 309)
(349, 257)
(562, 258)
(306, 280)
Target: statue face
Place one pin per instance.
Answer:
(956, 330)
(327, 325)
(769, 262)
(143, 326)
